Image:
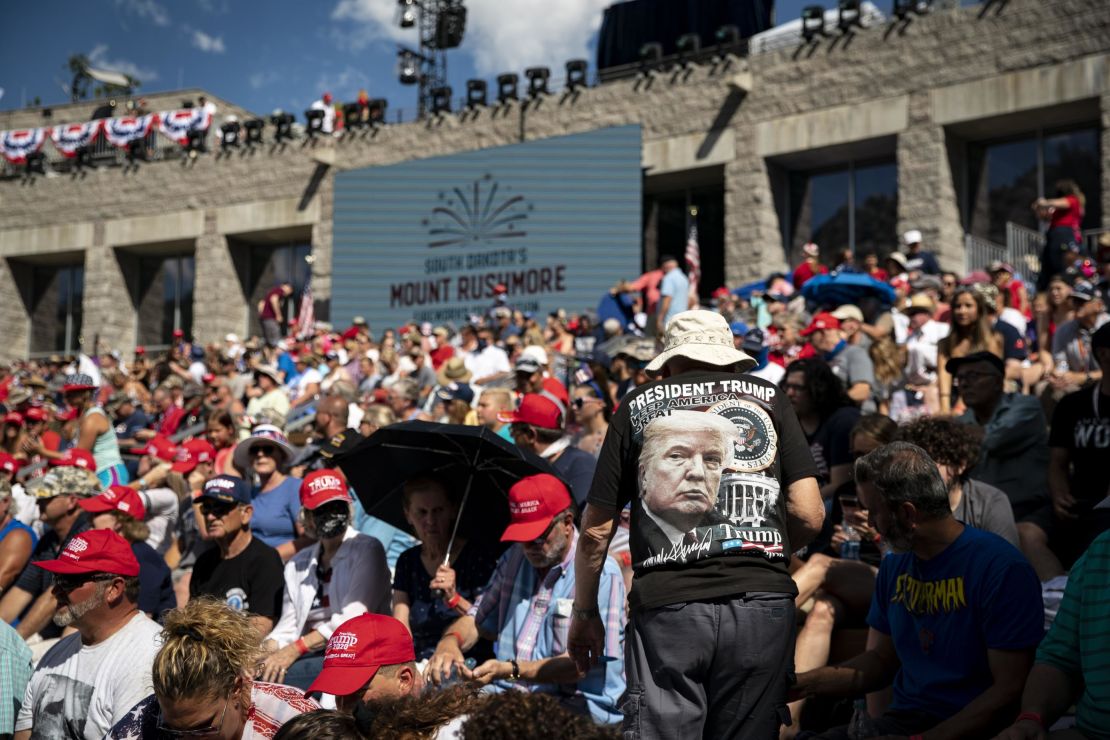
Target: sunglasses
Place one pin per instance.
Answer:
(218, 509)
(580, 402)
(198, 732)
(267, 450)
(69, 583)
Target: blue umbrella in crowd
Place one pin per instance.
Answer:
(745, 291)
(846, 287)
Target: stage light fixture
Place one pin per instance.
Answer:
(688, 46)
(254, 131)
(848, 15)
(475, 93)
(408, 13)
(651, 55)
(229, 135)
(507, 87)
(441, 99)
(728, 36)
(813, 22)
(376, 111)
(408, 67)
(576, 74)
(352, 116)
(903, 8)
(36, 163)
(283, 125)
(314, 122)
(537, 81)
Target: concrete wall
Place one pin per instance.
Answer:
(914, 89)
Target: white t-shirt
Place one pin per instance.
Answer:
(81, 691)
(772, 372)
(309, 376)
(921, 352)
(197, 370)
(162, 509)
(489, 361)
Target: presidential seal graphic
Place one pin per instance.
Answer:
(758, 441)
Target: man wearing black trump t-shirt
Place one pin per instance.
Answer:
(1078, 442)
(722, 489)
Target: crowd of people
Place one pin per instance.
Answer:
(772, 514)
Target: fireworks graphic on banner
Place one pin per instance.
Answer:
(484, 211)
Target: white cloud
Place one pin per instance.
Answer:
(146, 9)
(501, 35)
(98, 57)
(210, 44)
(262, 79)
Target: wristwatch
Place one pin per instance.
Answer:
(584, 613)
(515, 674)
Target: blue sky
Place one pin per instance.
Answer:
(280, 53)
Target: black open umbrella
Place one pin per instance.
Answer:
(480, 464)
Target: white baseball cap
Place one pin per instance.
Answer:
(913, 236)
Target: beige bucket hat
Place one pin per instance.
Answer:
(701, 336)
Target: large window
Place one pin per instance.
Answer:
(850, 207)
(1006, 176)
(272, 265)
(56, 308)
(167, 303)
(667, 221)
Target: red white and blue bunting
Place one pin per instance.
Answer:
(18, 145)
(69, 137)
(176, 124)
(122, 131)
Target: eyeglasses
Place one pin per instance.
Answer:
(547, 532)
(970, 376)
(267, 450)
(198, 732)
(217, 509)
(796, 387)
(69, 583)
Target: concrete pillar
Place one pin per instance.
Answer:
(1105, 147)
(321, 247)
(753, 239)
(218, 303)
(109, 311)
(14, 324)
(927, 196)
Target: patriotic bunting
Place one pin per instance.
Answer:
(17, 145)
(176, 124)
(122, 131)
(69, 137)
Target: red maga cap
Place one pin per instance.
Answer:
(533, 503)
(159, 447)
(35, 413)
(535, 410)
(357, 649)
(116, 498)
(191, 454)
(13, 417)
(9, 464)
(822, 320)
(95, 551)
(77, 458)
(321, 486)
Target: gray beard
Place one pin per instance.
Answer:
(73, 612)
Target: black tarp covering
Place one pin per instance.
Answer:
(629, 25)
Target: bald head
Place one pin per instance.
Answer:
(331, 415)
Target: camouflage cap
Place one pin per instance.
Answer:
(67, 480)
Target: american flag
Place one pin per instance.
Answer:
(306, 314)
(693, 259)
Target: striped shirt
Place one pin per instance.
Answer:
(1078, 642)
(530, 619)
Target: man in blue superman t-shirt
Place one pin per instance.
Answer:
(956, 616)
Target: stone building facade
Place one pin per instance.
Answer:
(921, 95)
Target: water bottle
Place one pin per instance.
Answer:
(861, 726)
(849, 549)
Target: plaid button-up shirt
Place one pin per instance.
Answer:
(530, 619)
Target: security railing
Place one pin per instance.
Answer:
(1023, 250)
(980, 252)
